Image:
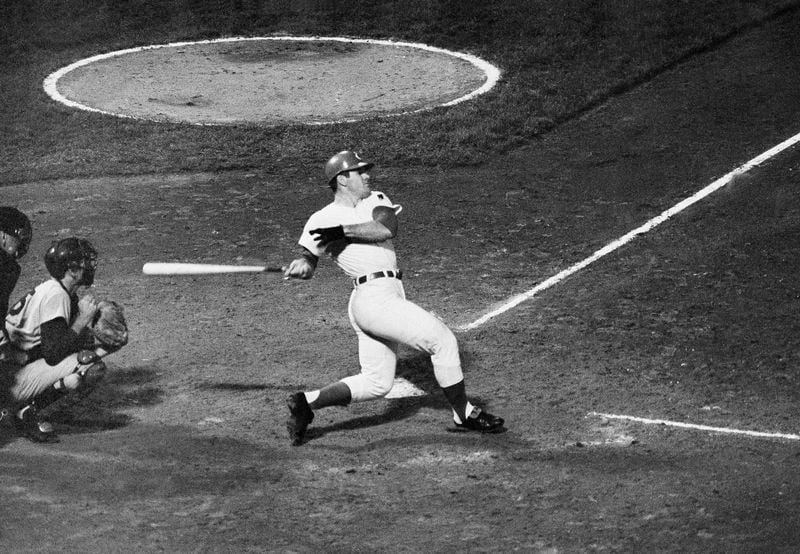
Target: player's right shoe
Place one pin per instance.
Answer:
(300, 417)
(32, 427)
(482, 421)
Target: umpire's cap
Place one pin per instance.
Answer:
(16, 224)
(344, 161)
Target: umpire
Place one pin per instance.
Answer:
(15, 238)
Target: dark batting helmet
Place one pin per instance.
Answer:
(71, 253)
(16, 224)
(344, 161)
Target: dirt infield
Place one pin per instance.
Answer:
(183, 449)
(271, 80)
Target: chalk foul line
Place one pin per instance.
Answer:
(404, 388)
(628, 237)
(696, 427)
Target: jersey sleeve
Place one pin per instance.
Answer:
(322, 218)
(307, 241)
(380, 199)
(55, 306)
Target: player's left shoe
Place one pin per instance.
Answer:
(483, 422)
(300, 417)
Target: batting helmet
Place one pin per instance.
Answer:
(71, 253)
(344, 161)
(16, 224)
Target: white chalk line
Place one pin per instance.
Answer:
(693, 426)
(610, 247)
(628, 237)
(404, 385)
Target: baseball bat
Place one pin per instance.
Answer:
(176, 268)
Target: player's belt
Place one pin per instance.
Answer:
(395, 273)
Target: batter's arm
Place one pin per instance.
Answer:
(382, 227)
(302, 267)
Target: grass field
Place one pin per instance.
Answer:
(606, 115)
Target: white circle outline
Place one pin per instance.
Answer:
(492, 75)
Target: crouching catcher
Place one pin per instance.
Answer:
(54, 341)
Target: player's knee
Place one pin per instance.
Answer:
(449, 342)
(377, 386)
(369, 386)
(381, 388)
(443, 349)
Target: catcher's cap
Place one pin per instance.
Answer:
(16, 224)
(344, 161)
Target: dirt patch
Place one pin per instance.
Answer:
(271, 81)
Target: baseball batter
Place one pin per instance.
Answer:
(356, 231)
(47, 338)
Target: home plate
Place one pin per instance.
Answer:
(403, 388)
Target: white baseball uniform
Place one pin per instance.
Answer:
(378, 309)
(47, 302)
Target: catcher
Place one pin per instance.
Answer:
(54, 341)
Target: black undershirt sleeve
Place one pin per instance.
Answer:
(59, 341)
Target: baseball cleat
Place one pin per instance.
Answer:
(300, 417)
(30, 426)
(483, 422)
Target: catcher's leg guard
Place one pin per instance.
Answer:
(90, 377)
(82, 379)
(48, 397)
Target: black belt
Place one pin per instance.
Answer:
(397, 274)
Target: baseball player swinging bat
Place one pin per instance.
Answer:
(175, 268)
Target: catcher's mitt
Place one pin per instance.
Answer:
(110, 329)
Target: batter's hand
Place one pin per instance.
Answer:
(327, 235)
(299, 269)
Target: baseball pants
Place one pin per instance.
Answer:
(36, 377)
(382, 319)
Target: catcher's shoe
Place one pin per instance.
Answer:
(300, 417)
(483, 422)
(29, 425)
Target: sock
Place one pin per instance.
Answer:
(311, 396)
(457, 397)
(335, 394)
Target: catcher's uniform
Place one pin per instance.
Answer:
(22, 340)
(378, 309)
